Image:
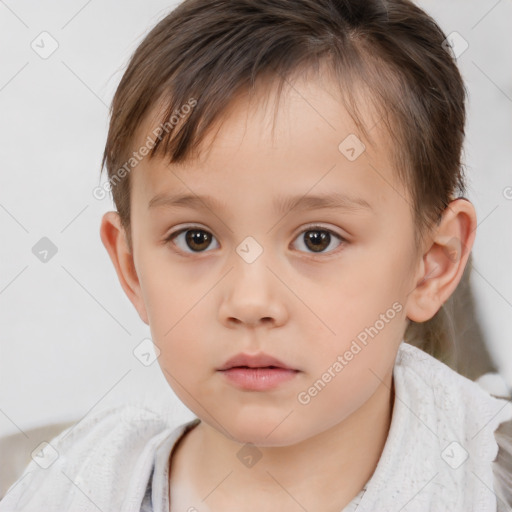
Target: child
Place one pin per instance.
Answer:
(319, 243)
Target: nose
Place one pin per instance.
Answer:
(253, 296)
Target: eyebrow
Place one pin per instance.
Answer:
(282, 204)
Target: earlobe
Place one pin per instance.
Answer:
(443, 264)
(113, 237)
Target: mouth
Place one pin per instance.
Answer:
(254, 361)
(258, 378)
(256, 372)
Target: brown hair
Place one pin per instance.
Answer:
(205, 52)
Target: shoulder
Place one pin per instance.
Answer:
(502, 467)
(478, 413)
(126, 421)
(440, 382)
(114, 431)
(431, 382)
(107, 450)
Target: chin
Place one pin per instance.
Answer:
(266, 432)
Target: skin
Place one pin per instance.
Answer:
(303, 307)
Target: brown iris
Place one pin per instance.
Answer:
(319, 240)
(201, 239)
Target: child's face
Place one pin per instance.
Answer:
(208, 299)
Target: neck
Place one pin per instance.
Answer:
(336, 464)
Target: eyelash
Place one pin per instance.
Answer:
(169, 239)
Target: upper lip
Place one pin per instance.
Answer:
(253, 361)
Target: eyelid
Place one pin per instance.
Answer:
(169, 238)
(312, 226)
(307, 227)
(321, 255)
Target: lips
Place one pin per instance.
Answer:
(258, 372)
(254, 361)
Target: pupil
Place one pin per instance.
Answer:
(197, 237)
(318, 238)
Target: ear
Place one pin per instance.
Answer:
(442, 265)
(114, 239)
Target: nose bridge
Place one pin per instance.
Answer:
(252, 293)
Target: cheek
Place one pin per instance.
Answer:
(177, 326)
(355, 300)
(168, 293)
(364, 316)
(333, 394)
(185, 358)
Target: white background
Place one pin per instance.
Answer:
(67, 331)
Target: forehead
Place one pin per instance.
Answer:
(306, 144)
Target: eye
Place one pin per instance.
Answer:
(195, 238)
(318, 238)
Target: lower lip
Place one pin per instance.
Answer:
(259, 379)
